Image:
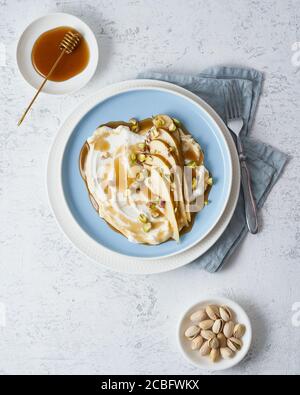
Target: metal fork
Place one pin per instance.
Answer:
(233, 110)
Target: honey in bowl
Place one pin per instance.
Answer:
(46, 50)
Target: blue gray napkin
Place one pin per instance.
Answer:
(265, 163)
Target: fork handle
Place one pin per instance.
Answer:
(250, 205)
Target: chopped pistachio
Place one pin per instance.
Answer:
(143, 218)
(133, 121)
(205, 202)
(142, 146)
(210, 181)
(141, 157)
(133, 157)
(155, 213)
(172, 127)
(176, 121)
(192, 164)
(147, 227)
(162, 204)
(135, 128)
(158, 122)
(155, 133)
(194, 183)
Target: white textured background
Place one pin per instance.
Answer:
(65, 314)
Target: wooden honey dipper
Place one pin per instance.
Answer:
(70, 42)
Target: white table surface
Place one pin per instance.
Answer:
(65, 315)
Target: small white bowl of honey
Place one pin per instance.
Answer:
(38, 48)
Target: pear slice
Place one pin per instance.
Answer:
(159, 186)
(191, 148)
(161, 149)
(172, 141)
(196, 155)
(165, 169)
(159, 162)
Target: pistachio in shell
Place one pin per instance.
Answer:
(198, 316)
(225, 313)
(192, 332)
(205, 349)
(207, 334)
(222, 340)
(207, 324)
(239, 331)
(213, 312)
(214, 343)
(226, 353)
(197, 343)
(228, 329)
(218, 326)
(215, 355)
(234, 344)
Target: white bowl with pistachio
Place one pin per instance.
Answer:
(215, 334)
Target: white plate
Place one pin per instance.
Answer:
(204, 363)
(88, 245)
(28, 38)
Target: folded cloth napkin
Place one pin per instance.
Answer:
(265, 163)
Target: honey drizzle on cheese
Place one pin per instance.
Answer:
(123, 181)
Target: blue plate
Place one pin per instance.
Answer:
(142, 103)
